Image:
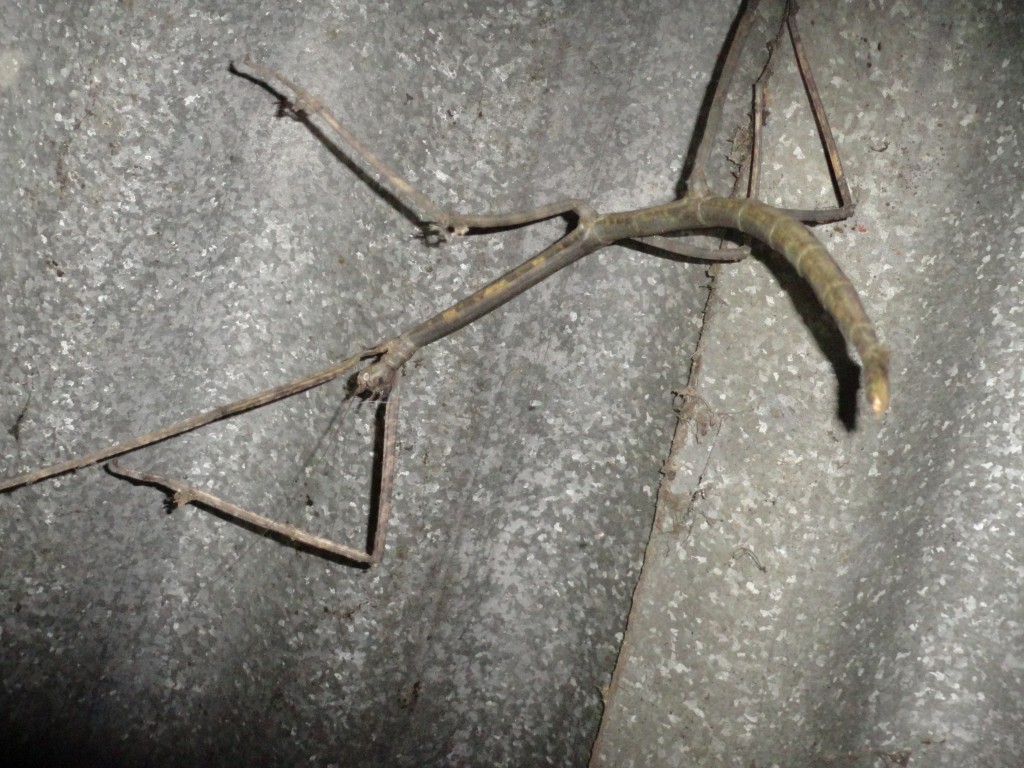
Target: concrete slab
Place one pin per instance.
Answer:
(819, 596)
(168, 245)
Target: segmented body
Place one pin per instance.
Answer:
(782, 233)
(812, 261)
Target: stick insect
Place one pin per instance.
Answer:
(658, 226)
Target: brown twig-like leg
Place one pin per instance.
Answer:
(419, 204)
(437, 221)
(835, 164)
(187, 425)
(697, 183)
(388, 470)
(758, 110)
(183, 493)
(680, 248)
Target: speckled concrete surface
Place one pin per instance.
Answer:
(167, 244)
(819, 597)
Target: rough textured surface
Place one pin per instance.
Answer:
(884, 625)
(167, 244)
